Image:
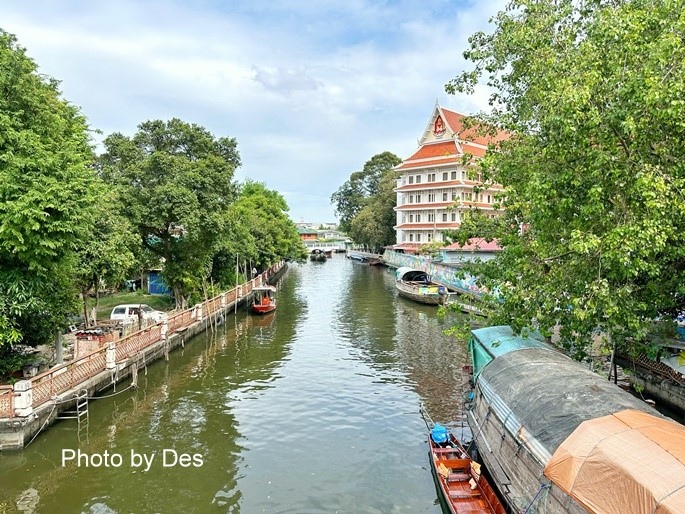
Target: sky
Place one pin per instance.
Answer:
(310, 89)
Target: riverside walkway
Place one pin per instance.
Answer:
(28, 406)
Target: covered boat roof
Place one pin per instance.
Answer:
(626, 458)
(407, 273)
(490, 342)
(264, 288)
(542, 394)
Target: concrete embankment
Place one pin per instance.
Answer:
(33, 405)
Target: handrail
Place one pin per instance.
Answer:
(66, 376)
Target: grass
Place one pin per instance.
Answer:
(107, 303)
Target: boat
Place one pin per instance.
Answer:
(415, 284)
(317, 255)
(558, 438)
(263, 300)
(461, 485)
(365, 258)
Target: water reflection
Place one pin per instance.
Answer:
(313, 408)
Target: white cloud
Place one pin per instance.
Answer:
(311, 90)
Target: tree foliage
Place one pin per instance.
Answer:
(175, 180)
(262, 233)
(107, 256)
(594, 92)
(46, 198)
(362, 201)
(374, 225)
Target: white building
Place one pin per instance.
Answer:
(434, 187)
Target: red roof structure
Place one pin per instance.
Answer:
(433, 182)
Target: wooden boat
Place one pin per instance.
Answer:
(317, 255)
(365, 258)
(461, 485)
(263, 300)
(416, 285)
(558, 438)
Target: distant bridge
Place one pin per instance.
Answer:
(335, 246)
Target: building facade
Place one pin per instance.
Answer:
(434, 187)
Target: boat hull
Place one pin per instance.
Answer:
(424, 293)
(461, 489)
(262, 309)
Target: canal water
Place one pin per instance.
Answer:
(312, 409)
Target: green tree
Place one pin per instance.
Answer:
(108, 255)
(349, 200)
(374, 225)
(594, 92)
(46, 198)
(364, 188)
(263, 234)
(175, 181)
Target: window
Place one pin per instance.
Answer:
(430, 237)
(411, 218)
(418, 179)
(411, 180)
(454, 175)
(454, 216)
(431, 197)
(431, 217)
(418, 218)
(418, 198)
(431, 177)
(444, 216)
(454, 194)
(444, 176)
(411, 237)
(418, 238)
(463, 175)
(411, 198)
(444, 196)
(480, 197)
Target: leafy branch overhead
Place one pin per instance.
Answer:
(71, 222)
(594, 92)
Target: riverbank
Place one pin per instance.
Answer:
(30, 406)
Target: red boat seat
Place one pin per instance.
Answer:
(463, 494)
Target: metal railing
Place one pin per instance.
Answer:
(67, 376)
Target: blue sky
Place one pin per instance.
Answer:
(310, 89)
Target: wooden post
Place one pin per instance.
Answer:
(59, 354)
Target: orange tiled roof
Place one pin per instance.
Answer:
(428, 151)
(424, 164)
(476, 244)
(456, 123)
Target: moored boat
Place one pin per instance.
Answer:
(558, 438)
(317, 255)
(459, 480)
(263, 300)
(415, 284)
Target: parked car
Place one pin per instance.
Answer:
(129, 313)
